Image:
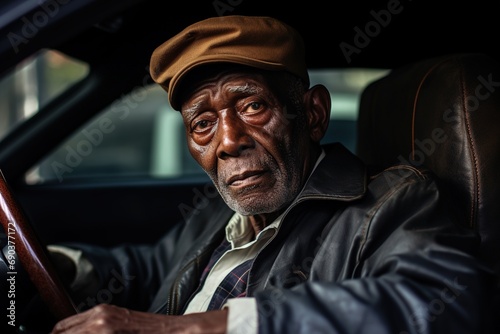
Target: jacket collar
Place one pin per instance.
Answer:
(340, 176)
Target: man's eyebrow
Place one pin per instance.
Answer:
(244, 89)
(247, 89)
(192, 109)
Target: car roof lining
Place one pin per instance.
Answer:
(139, 26)
(142, 25)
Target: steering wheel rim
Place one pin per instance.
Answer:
(32, 255)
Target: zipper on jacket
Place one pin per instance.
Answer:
(173, 298)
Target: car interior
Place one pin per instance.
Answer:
(450, 134)
(91, 151)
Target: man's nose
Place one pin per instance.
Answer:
(233, 136)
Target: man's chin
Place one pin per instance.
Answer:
(256, 205)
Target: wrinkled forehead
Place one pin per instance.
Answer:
(241, 78)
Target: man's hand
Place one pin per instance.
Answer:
(112, 319)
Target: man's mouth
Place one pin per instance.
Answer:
(245, 178)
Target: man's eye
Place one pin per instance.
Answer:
(201, 125)
(254, 106)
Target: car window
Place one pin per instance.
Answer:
(35, 82)
(140, 135)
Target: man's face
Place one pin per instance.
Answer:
(255, 153)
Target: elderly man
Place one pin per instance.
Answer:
(302, 239)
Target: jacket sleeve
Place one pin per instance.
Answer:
(120, 274)
(410, 269)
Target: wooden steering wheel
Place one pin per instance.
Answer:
(21, 237)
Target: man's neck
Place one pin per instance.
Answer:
(260, 221)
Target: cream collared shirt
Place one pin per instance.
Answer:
(240, 233)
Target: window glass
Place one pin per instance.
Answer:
(34, 83)
(140, 135)
(345, 86)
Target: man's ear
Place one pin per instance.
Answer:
(317, 103)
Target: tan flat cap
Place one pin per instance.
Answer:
(261, 42)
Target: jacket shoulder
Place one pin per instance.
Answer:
(401, 175)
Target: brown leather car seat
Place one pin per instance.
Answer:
(442, 114)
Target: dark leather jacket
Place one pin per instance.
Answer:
(354, 254)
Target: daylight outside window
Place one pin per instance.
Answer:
(147, 140)
(34, 83)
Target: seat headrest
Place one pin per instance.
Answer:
(442, 114)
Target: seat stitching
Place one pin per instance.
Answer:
(414, 111)
(472, 151)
